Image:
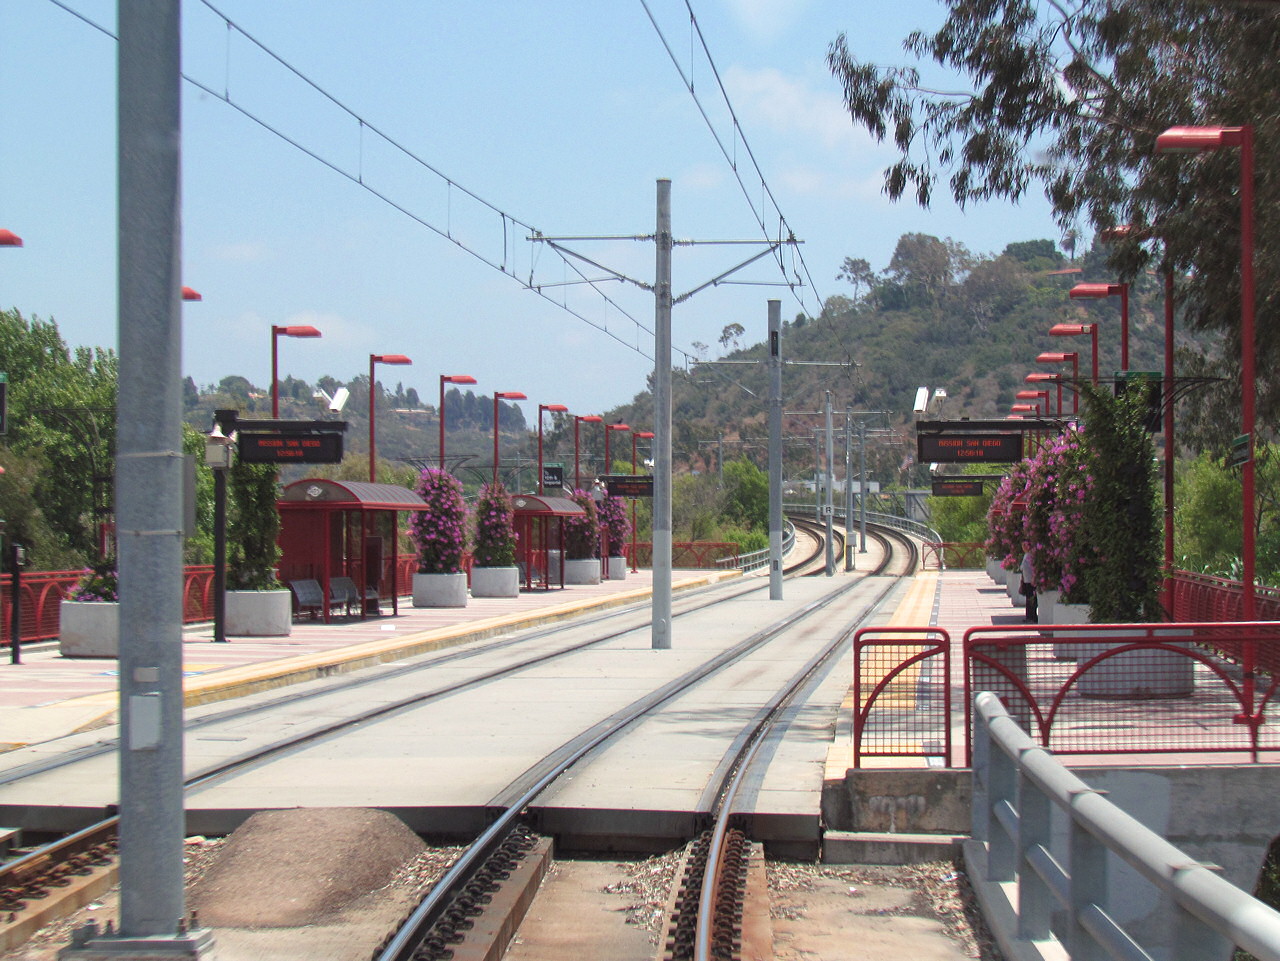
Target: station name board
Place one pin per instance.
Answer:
(290, 448)
(956, 448)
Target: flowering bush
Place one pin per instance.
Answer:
(495, 535)
(614, 524)
(97, 583)
(439, 530)
(1005, 521)
(582, 531)
(1067, 552)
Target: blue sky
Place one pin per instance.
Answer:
(560, 114)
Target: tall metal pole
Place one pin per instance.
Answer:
(817, 476)
(1167, 400)
(862, 484)
(848, 488)
(775, 450)
(1247, 345)
(828, 508)
(661, 618)
(220, 553)
(149, 474)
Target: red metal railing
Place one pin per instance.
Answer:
(686, 554)
(901, 693)
(1131, 688)
(953, 555)
(1203, 597)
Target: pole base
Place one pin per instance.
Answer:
(88, 945)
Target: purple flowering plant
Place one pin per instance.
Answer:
(1005, 521)
(614, 524)
(439, 530)
(97, 583)
(495, 535)
(582, 531)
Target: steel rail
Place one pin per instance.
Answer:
(523, 790)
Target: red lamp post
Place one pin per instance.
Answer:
(1037, 396)
(646, 435)
(1097, 291)
(608, 428)
(1025, 409)
(449, 379)
(9, 239)
(500, 395)
(560, 408)
(1043, 377)
(373, 388)
(1054, 357)
(1195, 140)
(1075, 330)
(577, 421)
(293, 330)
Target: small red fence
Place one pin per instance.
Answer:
(953, 555)
(901, 694)
(698, 555)
(1082, 689)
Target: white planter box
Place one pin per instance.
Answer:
(89, 629)
(440, 590)
(1068, 614)
(1046, 603)
(259, 614)
(994, 570)
(1012, 582)
(495, 581)
(617, 568)
(582, 571)
(1135, 675)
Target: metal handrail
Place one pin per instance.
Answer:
(754, 560)
(1015, 783)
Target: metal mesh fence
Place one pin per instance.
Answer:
(901, 694)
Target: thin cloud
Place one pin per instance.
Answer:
(781, 104)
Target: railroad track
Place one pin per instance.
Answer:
(29, 868)
(707, 916)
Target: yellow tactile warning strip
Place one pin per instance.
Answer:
(96, 710)
(914, 610)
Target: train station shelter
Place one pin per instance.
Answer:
(350, 529)
(539, 523)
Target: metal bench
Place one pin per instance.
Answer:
(346, 593)
(307, 597)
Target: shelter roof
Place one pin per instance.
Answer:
(351, 495)
(543, 506)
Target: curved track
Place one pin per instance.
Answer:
(521, 792)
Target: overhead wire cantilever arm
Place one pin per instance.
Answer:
(732, 270)
(566, 252)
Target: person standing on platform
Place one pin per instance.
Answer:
(1028, 585)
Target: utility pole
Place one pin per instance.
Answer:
(149, 495)
(828, 509)
(848, 489)
(664, 301)
(775, 450)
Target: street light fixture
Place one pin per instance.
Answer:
(1075, 330)
(277, 331)
(500, 395)
(1037, 396)
(1196, 140)
(190, 293)
(578, 419)
(644, 435)
(373, 391)
(1043, 377)
(608, 429)
(559, 408)
(9, 239)
(449, 379)
(1055, 357)
(1099, 291)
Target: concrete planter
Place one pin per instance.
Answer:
(584, 570)
(1064, 613)
(617, 568)
(259, 614)
(495, 581)
(994, 570)
(440, 590)
(89, 629)
(1046, 604)
(1136, 675)
(1012, 583)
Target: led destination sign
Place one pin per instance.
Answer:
(1005, 448)
(290, 448)
(957, 488)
